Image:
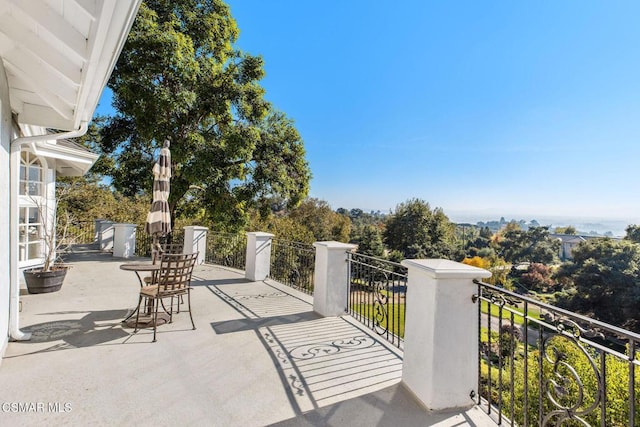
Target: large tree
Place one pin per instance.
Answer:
(180, 76)
(532, 245)
(417, 231)
(606, 276)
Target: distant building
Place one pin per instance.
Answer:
(570, 241)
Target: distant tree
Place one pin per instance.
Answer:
(371, 242)
(86, 200)
(533, 245)
(606, 276)
(570, 230)
(633, 233)
(480, 243)
(419, 232)
(538, 277)
(497, 266)
(355, 213)
(283, 227)
(321, 220)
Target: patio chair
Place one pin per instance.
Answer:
(171, 281)
(156, 253)
(163, 248)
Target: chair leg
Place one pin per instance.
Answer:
(190, 315)
(137, 314)
(155, 321)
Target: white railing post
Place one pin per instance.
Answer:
(105, 235)
(195, 240)
(441, 333)
(258, 261)
(330, 278)
(124, 240)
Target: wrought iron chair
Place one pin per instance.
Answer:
(171, 281)
(157, 252)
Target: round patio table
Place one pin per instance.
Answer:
(142, 267)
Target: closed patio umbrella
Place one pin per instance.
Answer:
(159, 217)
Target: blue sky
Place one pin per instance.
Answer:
(485, 108)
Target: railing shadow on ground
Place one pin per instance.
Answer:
(320, 361)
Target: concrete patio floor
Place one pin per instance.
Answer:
(259, 356)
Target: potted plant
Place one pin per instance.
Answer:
(50, 276)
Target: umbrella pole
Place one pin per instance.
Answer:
(154, 248)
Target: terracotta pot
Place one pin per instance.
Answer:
(41, 282)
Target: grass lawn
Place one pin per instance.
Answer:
(392, 321)
(518, 319)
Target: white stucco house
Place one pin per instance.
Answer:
(56, 57)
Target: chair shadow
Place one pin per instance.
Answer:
(77, 333)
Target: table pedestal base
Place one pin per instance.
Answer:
(146, 321)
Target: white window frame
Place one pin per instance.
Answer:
(28, 201)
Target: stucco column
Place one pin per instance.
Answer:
(124, 240)
(105, 235)
(441, 332)
(195, 240)
(96, 229)
(331, 278)
(258, 262)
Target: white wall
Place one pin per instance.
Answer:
(5, 138)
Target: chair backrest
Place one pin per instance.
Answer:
(175, 271)
(166, 248)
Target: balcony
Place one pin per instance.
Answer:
(260, 356)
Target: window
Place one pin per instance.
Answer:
(30, 231)
(30, 175)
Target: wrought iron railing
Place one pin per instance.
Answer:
(293, 264)
(540, 365)
(144, 241)
(76, 233)
(377, 294)
(229, 250)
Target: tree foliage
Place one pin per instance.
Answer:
(181, 77)
(633, 233)
(86, 200)
(371, 242)
(538, 278)
(417, 231)
(321, 220)
(570, 230)
(606, 276)
(532, 245)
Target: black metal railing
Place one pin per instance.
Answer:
(144, 241)
(377, 294)
(540, 365)
(293, 264)
(226, 249)
(76, 233)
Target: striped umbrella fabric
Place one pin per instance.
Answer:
(159, 217)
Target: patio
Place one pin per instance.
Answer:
(260, 356)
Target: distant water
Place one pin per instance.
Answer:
(583, 225)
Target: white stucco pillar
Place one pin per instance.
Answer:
(96, 229)
(124, 240)
(258, 262)
(105, 235)
(195, 240)
(441, 332)
(330, 278)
